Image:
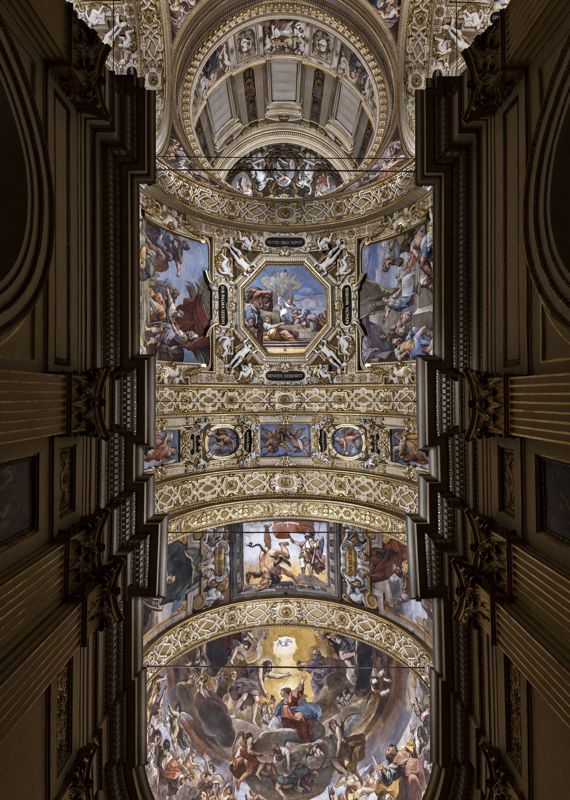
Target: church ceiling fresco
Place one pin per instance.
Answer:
(288, 557)
(396, 302)
(175, 297)
(282, 171)
(374, 445)
(285, 712)
(416, 37)
(286, 274)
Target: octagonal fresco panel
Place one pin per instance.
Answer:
(285, 308)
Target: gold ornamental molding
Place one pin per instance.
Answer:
(214, 203)
(355, 401)
(169, 211)
(347, 513)
(181, 495)
(358, 624)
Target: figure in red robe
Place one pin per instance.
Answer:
(296, 713)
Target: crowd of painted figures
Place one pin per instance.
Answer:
(324, 716)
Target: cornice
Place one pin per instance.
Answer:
(172, 212)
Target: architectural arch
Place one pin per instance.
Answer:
(546, 234)
(24, 273)
(368, 628)
(332, 510)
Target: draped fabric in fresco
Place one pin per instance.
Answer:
(175, 299)
(396, 297)
(288, 557)
(284, 556)
(287, 713)
(285, 307)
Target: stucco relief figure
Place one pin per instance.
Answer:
(225, 267)
(456, 35)
(287, 36)
(345, 344)
(333, 250)
(332, 358)
(238, 256)
(225, 342)
(240, 355)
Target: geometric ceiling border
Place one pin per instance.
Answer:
(345, 513)
(196, 492)
(317, 613)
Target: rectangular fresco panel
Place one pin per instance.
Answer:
(405, 450)
(284, 307)
(284, 556)
(284, 439)
(175, 298)
(287, 712)
(389, 570)
(166, 449)
(396, 297)
(182, 582)
(17, 498)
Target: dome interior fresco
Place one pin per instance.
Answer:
(286, 290)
